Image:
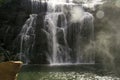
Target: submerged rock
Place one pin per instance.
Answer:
(9, 70)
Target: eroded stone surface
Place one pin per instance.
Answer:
(9, 70)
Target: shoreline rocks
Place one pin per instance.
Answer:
(9, 70)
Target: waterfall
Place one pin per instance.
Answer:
(51, 19)
(27, 36)
(68, 29)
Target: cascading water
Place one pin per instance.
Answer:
(27, 36)
(54, 11)
(51, 20)
(69, 30)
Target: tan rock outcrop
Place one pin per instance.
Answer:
(9, 70)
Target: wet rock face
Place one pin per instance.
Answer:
(9, 70)
(12, 17)
(14, 14)
(40, 47)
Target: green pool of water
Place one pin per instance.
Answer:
(62, 76)
(61, 73)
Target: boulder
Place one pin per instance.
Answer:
(9, 70)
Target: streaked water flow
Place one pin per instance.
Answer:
(69, 30)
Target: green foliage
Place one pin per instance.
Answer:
(1, 57)
(4, 1)
(4, 55)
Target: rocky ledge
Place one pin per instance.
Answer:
(9, 70)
